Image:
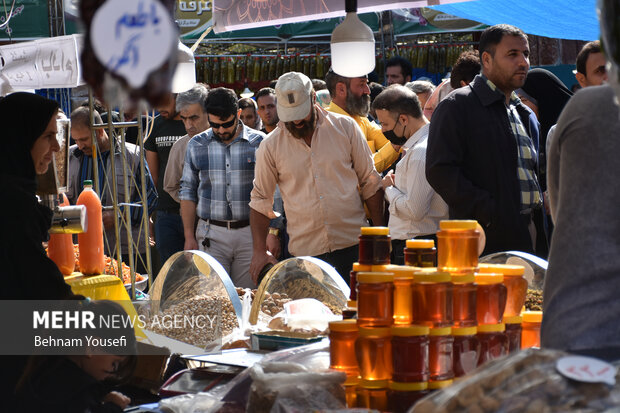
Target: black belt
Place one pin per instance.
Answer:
(229, 224)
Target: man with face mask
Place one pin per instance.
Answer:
(415, 208)
(351, 97)
(216, 184)
(318, 159)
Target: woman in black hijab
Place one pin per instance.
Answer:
(28, 137)
(546, 95)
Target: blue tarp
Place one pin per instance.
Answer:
(565, 19)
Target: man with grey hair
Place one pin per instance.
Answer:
(423, 88)
(415, 208)
(191, 107)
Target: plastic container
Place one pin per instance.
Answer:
(410, 353)
(350, 391)
(401, 396)
(530, 334)
(342, 336)
(464, 300)
(91, 241)
(60, 248)
(493, 342)
(516, 285)
(513, 331)
(420, 253)
(372, 394)
(490, 298)
(403, 294)
(466, 350)
(375, 299)
(440, 354)
(432, 299)
(357, 267)
(374, 246)
(457, 243)
(373, 349)
(350, 311)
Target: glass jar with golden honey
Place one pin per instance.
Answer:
(403, 294)
(373, 350)
(513, 331)
(402, 396)
(490, 298)
(457, 246)
(375, 246)
(493, 342)
(530, 334)
(375, 295)
(516, 285)
(342, 336)
(350, 391)
(357, 267)
(420, 253)
(432, 299)
(410, 353)
(440, 353)
(372, 394)
(466, 350)
(464, 300)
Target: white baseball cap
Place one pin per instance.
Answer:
(293, 93)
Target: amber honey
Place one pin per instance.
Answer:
(357, 267)
(490, 298)
(350, 391)
(466, 350)
(530, 334)
(342, 336)
(403, 294)
(516, 285)
(440, 352)
(513, 331)
(464, 300)
(432, 299)
(420, 253)
(375, 246)
(410, 353)
(373, 394)
(457, 246)
(373, 350)
(401, 396)
(493, 342)
(375, 306)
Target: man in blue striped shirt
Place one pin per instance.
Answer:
(216, 185)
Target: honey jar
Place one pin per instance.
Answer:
(493, 342)
(375, 292)
(432, 299)
(530, 334)
(401, 396)
(410, 357)
(373, 350)
(513, 331)
(375, 246)
(420, 253)
(490, 298)
(372, 394)
(342, 336)
(403, 294)
(466, 350)
(464, 300)
(440, 353)
(439, 384)
(457, 246)
(516, 285)
(350, 391)
(357, 267)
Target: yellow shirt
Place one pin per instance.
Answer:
(385, 155)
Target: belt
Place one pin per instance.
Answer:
(229, 224)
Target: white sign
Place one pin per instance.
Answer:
(587, 369)
(133, 38)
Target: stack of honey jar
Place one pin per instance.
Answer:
(421, 325)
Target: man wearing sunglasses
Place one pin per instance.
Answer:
(216, 184)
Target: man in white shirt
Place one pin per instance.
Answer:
(415, 208)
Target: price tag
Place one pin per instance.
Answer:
(586, 369)
(133, 38)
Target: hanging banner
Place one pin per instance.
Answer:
(28, 19)
(193, 17)
(426, 20)
(244, 14)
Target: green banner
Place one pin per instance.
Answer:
(27, 20)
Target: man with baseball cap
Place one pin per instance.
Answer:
(318, 159)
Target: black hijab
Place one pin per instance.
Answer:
(551, 95)
(24, 117)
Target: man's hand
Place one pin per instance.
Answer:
(388, 180)
(117, 398)
(259, 260)
(273, 245)
(108, 219)
(190, 244)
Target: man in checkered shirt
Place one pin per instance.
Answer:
(482, 151)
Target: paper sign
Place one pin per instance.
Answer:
(133, 38)
(587, 369)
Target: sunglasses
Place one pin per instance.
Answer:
(224, 125)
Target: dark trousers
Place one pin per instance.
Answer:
(398, 248)
(169, 237)
(342, 260)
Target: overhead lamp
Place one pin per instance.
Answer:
(352, 45)
(185, 74)
(247, 93)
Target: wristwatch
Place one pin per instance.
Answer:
(274, 231)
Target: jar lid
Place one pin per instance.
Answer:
(440, 384)
(381, 268)
(464, 331)
(374, 331)
(343, 325)
(463, 278)
(532, 316)
(410, 330)
(375, 230)
(357, 267)
(352, 303)
(514, 319)
(420, 243)
(491, 328)
(403, 271)
(88, 182)
(411, 386)
(504, 269)
(489, 278)
(374, 384)
(374, 277)
(440, 331)
(352, 381)
(458, 224)
(435, 276)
